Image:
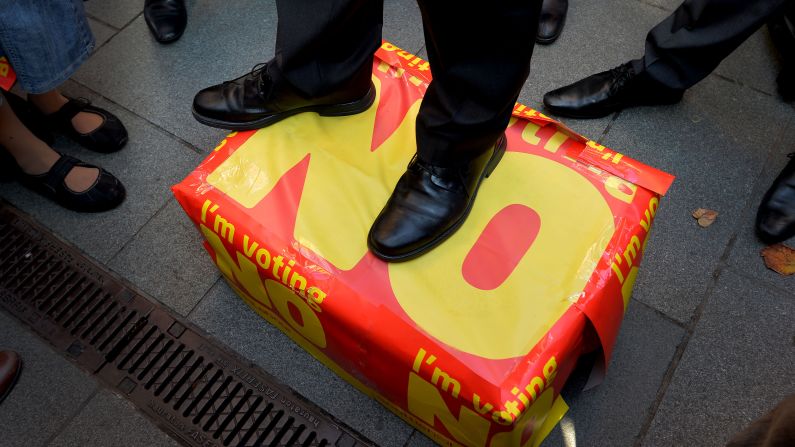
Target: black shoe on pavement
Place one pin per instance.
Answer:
(607, 92)
(106, 193)
(550, 23)
(775, 220)
(166, 19)
(256, 100)
(110, 136)
(10, 367)
(428, 205)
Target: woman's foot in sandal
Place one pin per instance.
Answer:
(76, 185)
(94, 128)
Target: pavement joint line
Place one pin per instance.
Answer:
(662, 314)
(126, 243)
(411, 436)
(741, 84)
(656, 6)
(102, 45)
(682, 346)
(132, 19)
(105, 42)
(204, 297)
(138, 115)
(97, 19)
(77, 411)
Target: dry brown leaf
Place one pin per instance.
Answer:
(705, 217)
(780, 259)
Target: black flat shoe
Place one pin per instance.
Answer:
(109, 137)
(106, 193)
(607, 92)
(256, 100)
(428, 205)
(551, 20)
(166, 19)
(775, 220)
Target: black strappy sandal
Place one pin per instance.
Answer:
(110, 136)
(106, 193)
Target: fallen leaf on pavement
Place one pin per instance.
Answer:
(780, 259)
(705, 217)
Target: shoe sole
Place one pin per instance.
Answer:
(344, 109)
(499, 151)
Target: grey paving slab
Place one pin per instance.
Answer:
(223, 40)
(745, 255)
(116, 13)
(755, 63)
(166, 260)
(715, 142)
(109, 420)
(102, 32)
(49, 390)
(737, 366)
(226, 317)
(597, 36)
(403, 25)
(151, 162)
(613, 413)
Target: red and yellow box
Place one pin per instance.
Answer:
(7, 75)
(472, 342)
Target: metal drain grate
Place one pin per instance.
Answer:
(194, 389)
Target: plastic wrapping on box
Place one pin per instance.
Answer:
(473, 341)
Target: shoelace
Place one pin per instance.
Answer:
(264, 84)
(260, 73)
(621, 75)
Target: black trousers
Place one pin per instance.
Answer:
(479, 54)
(690, 43)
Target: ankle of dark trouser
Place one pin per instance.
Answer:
(354, 87)
(452, 154)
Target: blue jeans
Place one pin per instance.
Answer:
(44, 40)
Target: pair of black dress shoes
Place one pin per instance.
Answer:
(429, 202)
(166, 19)
(604, 93)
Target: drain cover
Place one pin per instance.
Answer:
(193, 388)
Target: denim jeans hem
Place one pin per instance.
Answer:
(55, 81)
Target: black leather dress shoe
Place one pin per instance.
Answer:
(550, 23)
(166, 19)
(607, 92)
(10, 367)
(255, 100)
(428, 205)
(775, 220)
